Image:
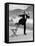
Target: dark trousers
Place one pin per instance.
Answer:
(25, 28)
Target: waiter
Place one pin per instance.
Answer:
(22, 21)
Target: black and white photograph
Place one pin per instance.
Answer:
(21, 22)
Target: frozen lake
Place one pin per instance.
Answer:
(20, 35)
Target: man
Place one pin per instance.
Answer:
(22, 21)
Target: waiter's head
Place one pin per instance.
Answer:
(25, 12)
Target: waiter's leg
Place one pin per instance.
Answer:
(25, 28)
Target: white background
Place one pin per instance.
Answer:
(2, 23)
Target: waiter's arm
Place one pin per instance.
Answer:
(27, 16)
(20, 15)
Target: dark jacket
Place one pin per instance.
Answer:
(23, 20)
